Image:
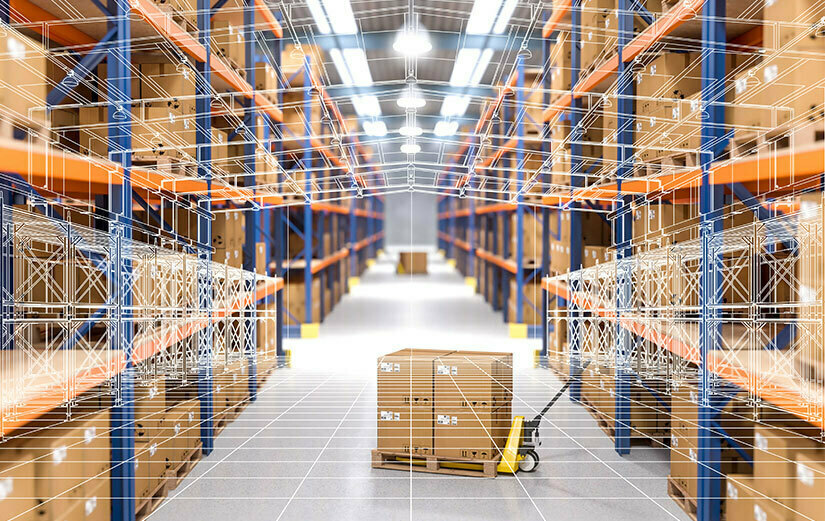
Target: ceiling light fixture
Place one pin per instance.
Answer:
(410, 148)
(341, 65)
(410, 131)
(455, 105)
(358, 67)
(412, 42)
(411, 100)
(366, 106)
(375, 128)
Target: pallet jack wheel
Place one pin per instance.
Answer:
(530, 462)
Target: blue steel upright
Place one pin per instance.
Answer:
(709, 475)
(253, 216)
(546, 179)
(308, 164)
(573, 313)
(519, 230)
(624, 231)
(119, 88)
(203, 136)
(281, 212)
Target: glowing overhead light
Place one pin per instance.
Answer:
(411, 100)
(341, 65)
(340, 16)
(465, 62)
(358, 67)
(411, 42)
(483, 16)
(481, 66)
(319, 16)
(410, 131)
(410, 148)
(454, 105)
(504, 16)
(446, 128)
(375, 128)
(366, 106)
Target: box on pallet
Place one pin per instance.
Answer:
(67, 464)
(419, 411)
(295, 300)
(227, 38)
(776, 450)
(809, 351)
(413, 262)
(532, 303)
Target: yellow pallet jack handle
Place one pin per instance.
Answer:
(510, 456)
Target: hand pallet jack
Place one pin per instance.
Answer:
(520, 450)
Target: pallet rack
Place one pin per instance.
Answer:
(216, 294)
(608, 294)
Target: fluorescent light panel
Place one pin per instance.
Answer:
(410, 131)
(483, 16)
(341, 65)
(504, 16)
(318, 14)
(481, 66)
(340, 16)
(446, 128)
(375, 128)
(366, 106)
(465, 61)
(455, 105)
(358, 67)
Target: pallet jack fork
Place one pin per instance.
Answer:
(520, 450)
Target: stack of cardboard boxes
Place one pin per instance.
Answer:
(448, 404)
(412, 262)
(788, 481)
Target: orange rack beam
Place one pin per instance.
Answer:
(678, 15)
(559, 12)
(109, 363)
(796, 165)
(784, 393)
(360, 245)
(164, 24)
(505, 264)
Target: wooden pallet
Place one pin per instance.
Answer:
(434, 464)
(680, 496)
(183, 468)
(145, 506)
(606, 424)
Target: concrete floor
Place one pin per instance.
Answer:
(302, 451)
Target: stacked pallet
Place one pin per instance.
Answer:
(436, 408)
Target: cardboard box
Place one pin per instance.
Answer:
(774, 466)
(405, 377)
(17, 483)
(739, 498)
(595, 255)
(475, 432)
(531, 303)
(809, 353)
(24, 62)
(402, 428)
(789, 21)
(809, 487)
(473, 378)
(670, 76)
(227, 40)
(295, 300)
(413, 263)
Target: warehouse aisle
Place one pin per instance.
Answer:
(302, 451)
